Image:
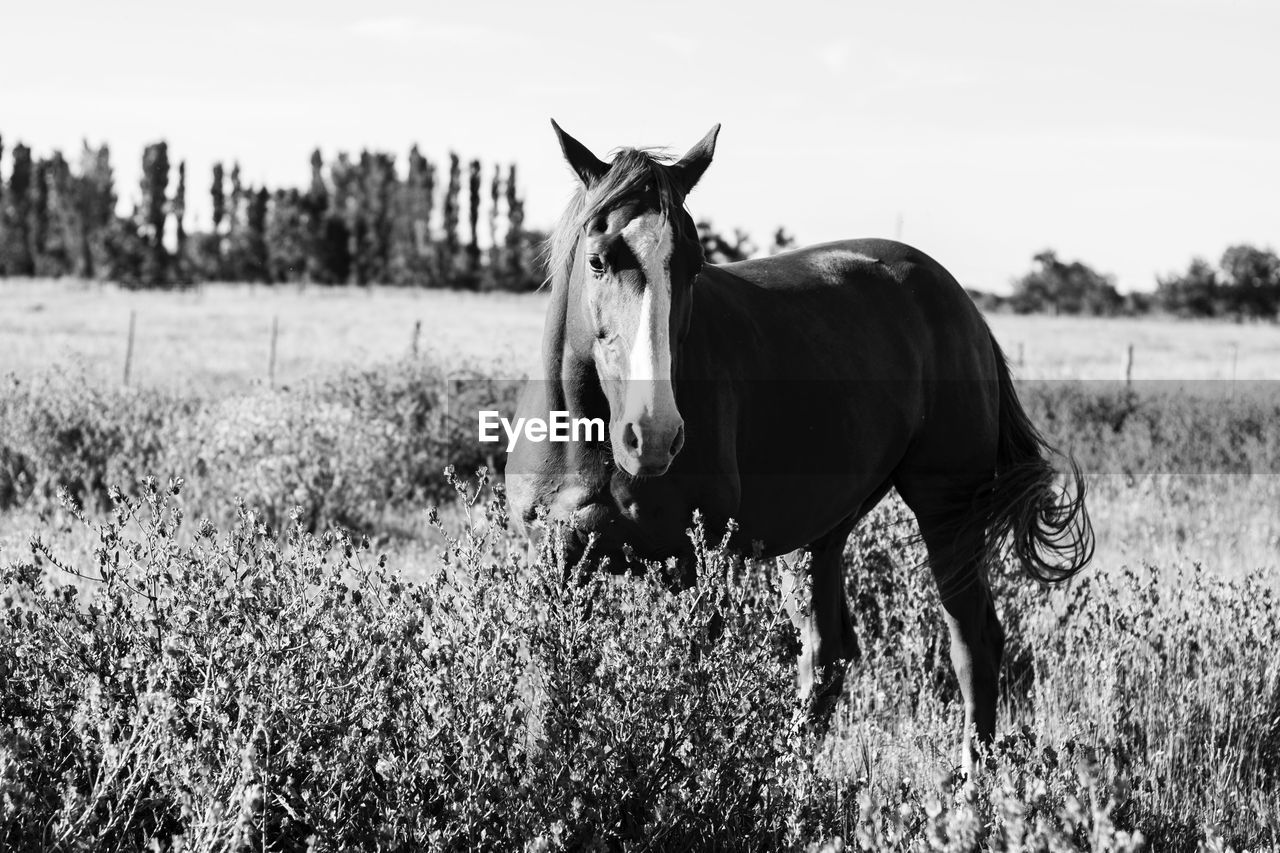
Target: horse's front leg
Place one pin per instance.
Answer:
(816, 603)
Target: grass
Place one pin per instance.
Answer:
(220, 336)
(175, 665)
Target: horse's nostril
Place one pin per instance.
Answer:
(631, 438)
(678, 443)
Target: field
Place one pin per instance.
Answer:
(249, 677)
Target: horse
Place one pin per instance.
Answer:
(782, 398)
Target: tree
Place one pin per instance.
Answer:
(1067, 288)
(718, 250)
(517, 263)
(39, 207)
(1195, 293)
(411, 255)
(1252, 280)
(4, 220)
(495, 251)
(377, 188)
(179, 214)
(473, 219)
(448, 257)
(218, 195)
(256, 220)
(287, 236)
(782, 241)
(60, 238)
(155, 185)
(316, 211)
(340, 220)
(95, 204)
(18, 258)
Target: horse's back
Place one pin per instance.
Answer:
(886, 294)
(840, 264)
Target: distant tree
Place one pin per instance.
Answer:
(377, 188)
(449, 255)
(411, 254)
(4, 219)
(1252, 280)
(245, 255)
(235, 216)
(218, 195)
(719, 250)
(782, 241)
(315, 208)
(1195, 293)
(17, 249)
(1, 196)
(58, 255)
(179, 215)
(40, 216)
(986, 302)
(256, 226)
(287, 236)
(473, 219)
(95, 204)
(340, 221)
(518, 257)
(1065, 288)
(155, 185)
(495, 251)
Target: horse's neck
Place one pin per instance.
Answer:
(724, 332)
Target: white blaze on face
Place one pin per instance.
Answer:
(649, 367)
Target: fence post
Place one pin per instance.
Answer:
(128, 352)
(1022, 355)
(417, 330)
(1128, 366)
(271, 366)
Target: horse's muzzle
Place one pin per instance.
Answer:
(646, 447)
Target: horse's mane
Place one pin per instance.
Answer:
(634, 172)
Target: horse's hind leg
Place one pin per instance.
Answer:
(956, 557)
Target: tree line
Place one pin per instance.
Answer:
(359, 221)
(1245, 284)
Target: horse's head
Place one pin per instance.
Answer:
(628, 252)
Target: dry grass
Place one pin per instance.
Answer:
(220, 335)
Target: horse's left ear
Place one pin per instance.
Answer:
(691, 166)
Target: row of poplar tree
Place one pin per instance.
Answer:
(359, 221)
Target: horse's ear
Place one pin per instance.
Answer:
(691, 166)
(588, 167)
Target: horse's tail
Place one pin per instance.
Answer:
(1047, 528)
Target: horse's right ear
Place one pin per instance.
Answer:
(588, 167)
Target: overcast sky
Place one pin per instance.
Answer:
(1131, 135)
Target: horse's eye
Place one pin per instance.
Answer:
(596, 263)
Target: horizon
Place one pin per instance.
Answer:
(981, 136)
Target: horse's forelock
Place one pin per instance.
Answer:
(629, 173)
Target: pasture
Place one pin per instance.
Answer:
(249, 677)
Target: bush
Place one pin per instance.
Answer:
(62, 432)
(243, 691)
(347, 450)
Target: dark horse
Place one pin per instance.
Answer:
(789, 394)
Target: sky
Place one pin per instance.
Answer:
(1130, 135)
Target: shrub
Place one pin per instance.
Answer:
(347, 450)
(62, 432)
(242, 691)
